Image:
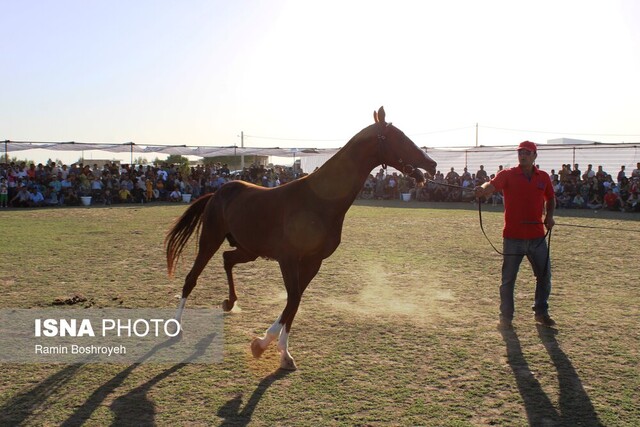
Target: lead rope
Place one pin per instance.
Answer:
(546, 236)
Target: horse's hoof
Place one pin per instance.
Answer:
(256, 349)
(227, 305)
(287, 364)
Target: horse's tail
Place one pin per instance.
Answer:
(185, 226)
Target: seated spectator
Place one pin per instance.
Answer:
(4, 194)
(612, 201)
(578, 201)
(633, 203)
(392, 187)
(84, 189)
(175, 196)
(497, 198)
(140, 189)
(187, 187)
(634, 185)
(55, 184)
(595, 202)
(71, 197)
(22, 198)
(558, 187)
(37, 199)
(96, 188)
(51, 198)
(453, 195)
(160, 193)
(195, 187)
(107, 197)
(66, 183)
(125, 195)
(564, 200)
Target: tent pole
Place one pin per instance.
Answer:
(242, 146)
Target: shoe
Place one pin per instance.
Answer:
(505, 324)
(545, 320)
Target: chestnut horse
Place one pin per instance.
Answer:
(298, 224)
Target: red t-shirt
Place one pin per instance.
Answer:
(610, 199)
(524, 201)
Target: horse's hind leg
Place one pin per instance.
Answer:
(231, 258)
(209, 242)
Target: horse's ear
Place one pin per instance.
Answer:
(375, 116)
(381, 115)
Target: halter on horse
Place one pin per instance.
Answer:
(299, 224)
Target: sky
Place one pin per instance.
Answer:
(304, 73)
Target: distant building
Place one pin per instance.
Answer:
(99, 162)
(569, 141)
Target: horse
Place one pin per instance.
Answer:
(298, 224)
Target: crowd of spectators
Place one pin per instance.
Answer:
(593, 189)
(442, 188)
(596, 189)
(51, 184)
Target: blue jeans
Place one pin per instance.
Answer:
(537, 253)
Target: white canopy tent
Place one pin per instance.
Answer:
(182, 150)
(609, 156)
(550, 156)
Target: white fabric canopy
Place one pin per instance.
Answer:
(182, 150)
(550, 156)
(126, 147)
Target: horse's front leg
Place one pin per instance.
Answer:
(286, 361)
(297, 276)
(259, 345)
(290, 274)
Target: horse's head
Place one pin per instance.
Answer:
(397, 150)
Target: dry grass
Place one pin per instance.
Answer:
(398, 328)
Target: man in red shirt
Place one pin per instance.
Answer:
(528, 196)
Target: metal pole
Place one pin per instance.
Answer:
(242, 146)
(6, 151)
(476, 135)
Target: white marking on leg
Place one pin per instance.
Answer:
(275, 329)
(286, 361)
(271, 334)
(283, 342)
(183, 301)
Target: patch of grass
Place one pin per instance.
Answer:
(397, 328)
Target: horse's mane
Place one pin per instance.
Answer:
(349, 145)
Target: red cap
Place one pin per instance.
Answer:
(528, 145)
